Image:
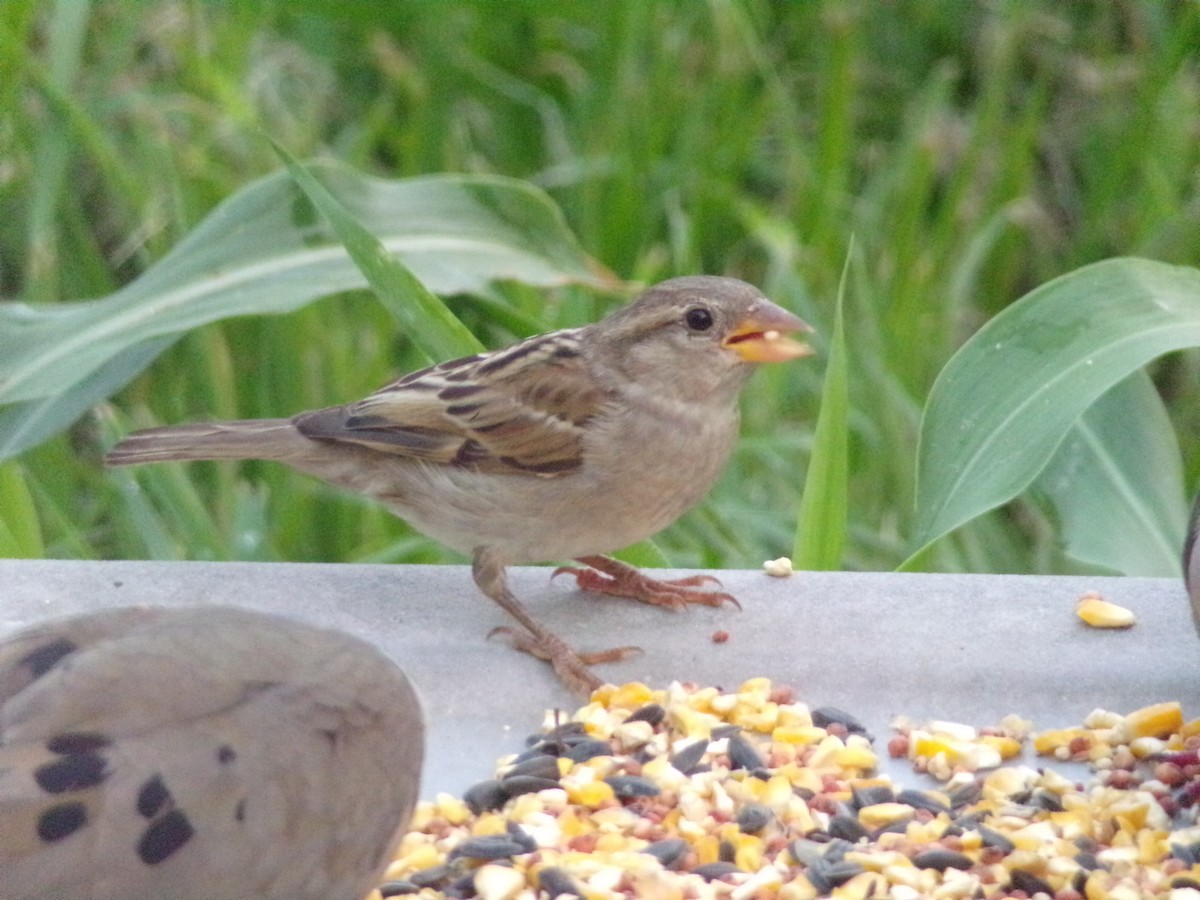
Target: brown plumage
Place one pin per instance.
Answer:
(567, 445)
(205, 753)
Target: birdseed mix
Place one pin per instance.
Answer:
(694, 792)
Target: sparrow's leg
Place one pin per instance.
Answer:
(570, 666)
(605, 575)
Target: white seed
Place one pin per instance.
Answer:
(494, 882)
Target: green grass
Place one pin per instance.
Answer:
(973, 151)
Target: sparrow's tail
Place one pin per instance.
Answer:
(245, 439)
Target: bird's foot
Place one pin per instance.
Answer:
(604, 575)
(570, 665)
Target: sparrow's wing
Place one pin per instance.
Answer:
(517, 410)
(200, 753)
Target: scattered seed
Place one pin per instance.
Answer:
(742, 754)
(628, 786)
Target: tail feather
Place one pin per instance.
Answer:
(244, 439)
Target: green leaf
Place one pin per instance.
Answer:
(430, 325)
(1006, 400)
(20, 531)
(821, 525)
(265, 250)
(644, 555)
(1116, 483)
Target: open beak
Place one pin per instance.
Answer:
(761, 336)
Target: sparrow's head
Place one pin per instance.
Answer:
(698, 334)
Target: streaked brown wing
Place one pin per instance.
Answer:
(515, 410)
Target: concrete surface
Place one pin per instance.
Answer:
(965, 648)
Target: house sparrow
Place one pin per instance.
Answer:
(203, 753)
(567, 445)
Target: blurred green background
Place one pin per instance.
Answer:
(972, 150)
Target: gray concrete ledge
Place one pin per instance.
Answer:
(968, 648)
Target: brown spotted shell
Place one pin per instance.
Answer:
(200, 753)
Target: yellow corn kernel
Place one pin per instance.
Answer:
(879, 815)
(762, 718)
(489, 823)
(1157, 720)
(1099, 613)
(1007, 747)
(424, 857)
(749, 857)
(591, 794)
(1048, 741)
(630, 696)
(758, 685)
(611, 843)
(708, 849)
(854, 756)
(797, 734)
(422, 816)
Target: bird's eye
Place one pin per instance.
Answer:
(698, 318)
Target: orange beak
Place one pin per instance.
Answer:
(760, 336)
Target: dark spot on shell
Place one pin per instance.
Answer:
(651, 712)
(71, 773)
(754, 817)
(554, 882)
(239, 811)
(61, 821)
(47, 656)
(742, 754)
(628, 786)
(1020, 880)
(152, 797)
(165, 837)
(668, 851)
(77, 742)
(485, 796)
(226, 754)
(942, 860)
(714, 870)
(687, 758)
